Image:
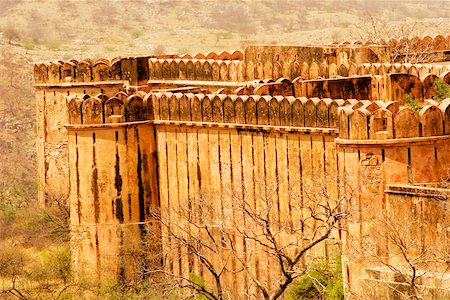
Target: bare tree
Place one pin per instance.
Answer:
(402, 37)
(207, 257)
(407, 264)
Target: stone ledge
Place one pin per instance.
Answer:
(250, 127)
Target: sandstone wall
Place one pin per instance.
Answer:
(113, 191)
(390, 146)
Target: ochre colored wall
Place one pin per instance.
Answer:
(113, 192)
(52, 115)
(221, 166)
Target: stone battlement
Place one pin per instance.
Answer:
(394, 122)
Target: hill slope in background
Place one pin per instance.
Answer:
(33, 31)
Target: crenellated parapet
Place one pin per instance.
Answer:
(196, 69)
(392, 121)
(134, 69)
(210, 108)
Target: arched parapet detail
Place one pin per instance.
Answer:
(267, 70)
(232, 71)
(364, 69)
(436, 69)
(413, 70)
(199, 56)
(382, 124)
(384, 68)
(212, 55)
(445, 76)
(428, 85)
(68, 71)
(424, 69)
(186, 56)
(406, 123)
(402, 84)
(298, 111)
(324, 72)
(342, 71)
(151, 104)
(101, 70)
(262, 110)
(174, 106)
(114, 110)
(277, 70)
(392, 106)
(155, 68)
(374, 69)
(190, 71)
(296, 69)
(165, 69)
(116, 68)
(185, 106)
(83, 72)
(122, 96)
(217, 108)
(440, 43)
(198, 69)
(92, 109)
(207, 109)
(274, 110)
(173, 68)
(322, 113)
(310, 112)
(333, 116)
(345, 113)
(196, 107)
(228, 109)
(239, 109)
(332, 70)
(250, 109)
(431, 121)
(224, 55)
(304, 72)
(359, 124)
(54, 72)
(135, 109)
(352, 70)
(74, 105)
(371, 106)
(240, 67)
(250, 71)
(164, 110)
(182, 69)
(284, 111)
(223, 70)
(237, 55)
(444, 106)
(40, 73)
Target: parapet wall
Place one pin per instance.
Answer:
(393, 122)
(210, 108)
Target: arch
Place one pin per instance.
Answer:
(83, 72)
(75, 110)
(274, 110)
(250, 109)
(114, 110)
(228, 109)
(101, 70)
(381, 124)
(406, 123)
(239, 109)
(431, 121)
(92, 110)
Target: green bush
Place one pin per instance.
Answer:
(322, 281)
(441, 90)
(412, 103)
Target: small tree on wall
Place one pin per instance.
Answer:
(205, 257)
